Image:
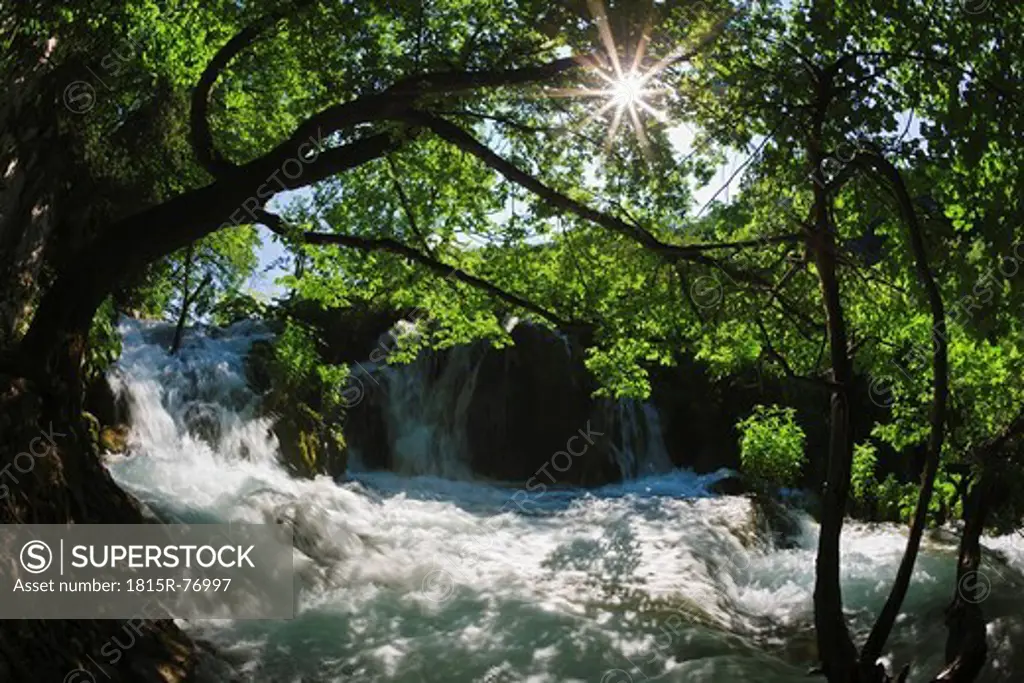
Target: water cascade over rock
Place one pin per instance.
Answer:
(422, 578)
(502, 414)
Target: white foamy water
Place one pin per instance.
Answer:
(429, 579)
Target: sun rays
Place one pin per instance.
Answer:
(625, 91)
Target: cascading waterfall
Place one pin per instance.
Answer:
(426, 416)
(638, 446)
(428, 579)
(426, 413)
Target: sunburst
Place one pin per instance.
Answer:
(627, 92)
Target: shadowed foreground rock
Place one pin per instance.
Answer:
(68, 484)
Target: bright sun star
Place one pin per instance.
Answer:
(626, 92)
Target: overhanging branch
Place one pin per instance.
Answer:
(460, 138)
(276, 224)
(200, 135)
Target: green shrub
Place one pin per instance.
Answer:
(771, 446)
(863, 483)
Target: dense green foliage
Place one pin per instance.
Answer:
(304, 394)
(104, 342)
(772, 446)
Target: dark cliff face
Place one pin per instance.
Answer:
(521, 404)
(527, 411)
(529, 400)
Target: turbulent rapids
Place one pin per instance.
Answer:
(422, 578)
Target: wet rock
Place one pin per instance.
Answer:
(732, 485)
(530, 399)
(311, 443)
(203, 421)
(92, 428)
(114, 439)
(308, 446)
(102, 401)
(258, 371)
(778, 519)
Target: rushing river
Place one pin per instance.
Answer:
(430, 579)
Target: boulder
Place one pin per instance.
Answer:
(101, 400)
(530, 399)
(309, 446)
(778, 519)
(114, 439)
(311, 443)
(731, 485)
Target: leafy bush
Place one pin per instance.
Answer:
(235, 306)
(896, 499)
(863, 484)
(305, 396)
(771, 446)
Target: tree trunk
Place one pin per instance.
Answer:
(31, 164)
(179, 329)
(40, 384)
(834, 644)
(835, 647)
(940, 393)
(966, 646)
(68, 484)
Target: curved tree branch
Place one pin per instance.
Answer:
(200, 135)
(693, 253)
(56, 338)
(276, 224)
(465, 141)
(400, 97)
(402, 94)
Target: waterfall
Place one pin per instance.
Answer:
(426, 415)
(197, 400)
(405, 579)
(638, 445)
(426, 409)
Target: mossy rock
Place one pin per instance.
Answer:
(259, 366)
(309, 446)
(92, 428)
(114, 439)
(310, 443)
